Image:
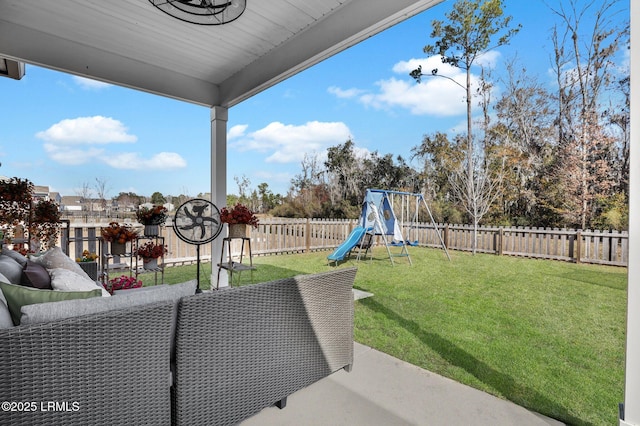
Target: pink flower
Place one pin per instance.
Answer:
(238, 214)
(123, 282)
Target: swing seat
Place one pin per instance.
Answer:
(412, 243)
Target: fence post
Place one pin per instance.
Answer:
(500, 240)
(578, 250)
(307, 236)
(446, 235)
(78, 239)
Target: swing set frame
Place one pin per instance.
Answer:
(407, 202)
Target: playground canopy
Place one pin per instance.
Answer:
(377, 213)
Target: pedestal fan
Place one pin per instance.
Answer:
(197, 222)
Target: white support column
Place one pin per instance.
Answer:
(632, 368)
(219, 117)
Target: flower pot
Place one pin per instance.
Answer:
(151, 230)
(118, 249)
(90, 268)
(149, 263)
(238, 230)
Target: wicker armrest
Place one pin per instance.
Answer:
(108, 368)
(241, 350)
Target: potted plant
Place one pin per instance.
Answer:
(45, 223)
(149, 252)
(118, 235)
(19, 212)
(88, 263)
(87, 256)
(123, 282)
(238, 218)
(151, 218)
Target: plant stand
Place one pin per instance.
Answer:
(111, 263)
(142, 268)
(235, 267)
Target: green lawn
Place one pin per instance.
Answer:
(546, 335)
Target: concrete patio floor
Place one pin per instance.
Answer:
(382, 390)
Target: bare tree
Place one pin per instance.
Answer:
(85, 193)
(101, 191)
(525, 133)
(477, 192)
(583, 141)
(243, 185)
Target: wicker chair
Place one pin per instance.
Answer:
(110, 368)
(244, 349)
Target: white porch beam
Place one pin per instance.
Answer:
(39, 48)
(219, 118)
(632, 369)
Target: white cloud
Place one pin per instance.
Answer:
(489, 59)
(237, 131)
(72, 156)
(427, 64)
(345, 93)
(274, 178)
(442, 95)
(73, 142)
(288, 143)
(89, 84)
(133, 161)
(361, 152)
(434, 96)
(87, 130)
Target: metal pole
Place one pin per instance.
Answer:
(444, 246)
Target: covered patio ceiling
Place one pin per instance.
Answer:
(133, 44)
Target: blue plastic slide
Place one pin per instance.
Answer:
(344, 248)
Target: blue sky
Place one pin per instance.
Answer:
(63, 131)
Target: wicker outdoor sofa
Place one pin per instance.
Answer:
(206, 359)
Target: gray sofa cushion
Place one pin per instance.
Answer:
(5, 315)
(22, 260)
(10, 269)
(18, 296)
(137, 289)
(55, 258)
(66, 280)
(47, 312)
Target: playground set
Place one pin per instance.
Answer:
(379, 220)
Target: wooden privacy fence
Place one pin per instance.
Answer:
(280, 235)
(580, 246)
(82, 236)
